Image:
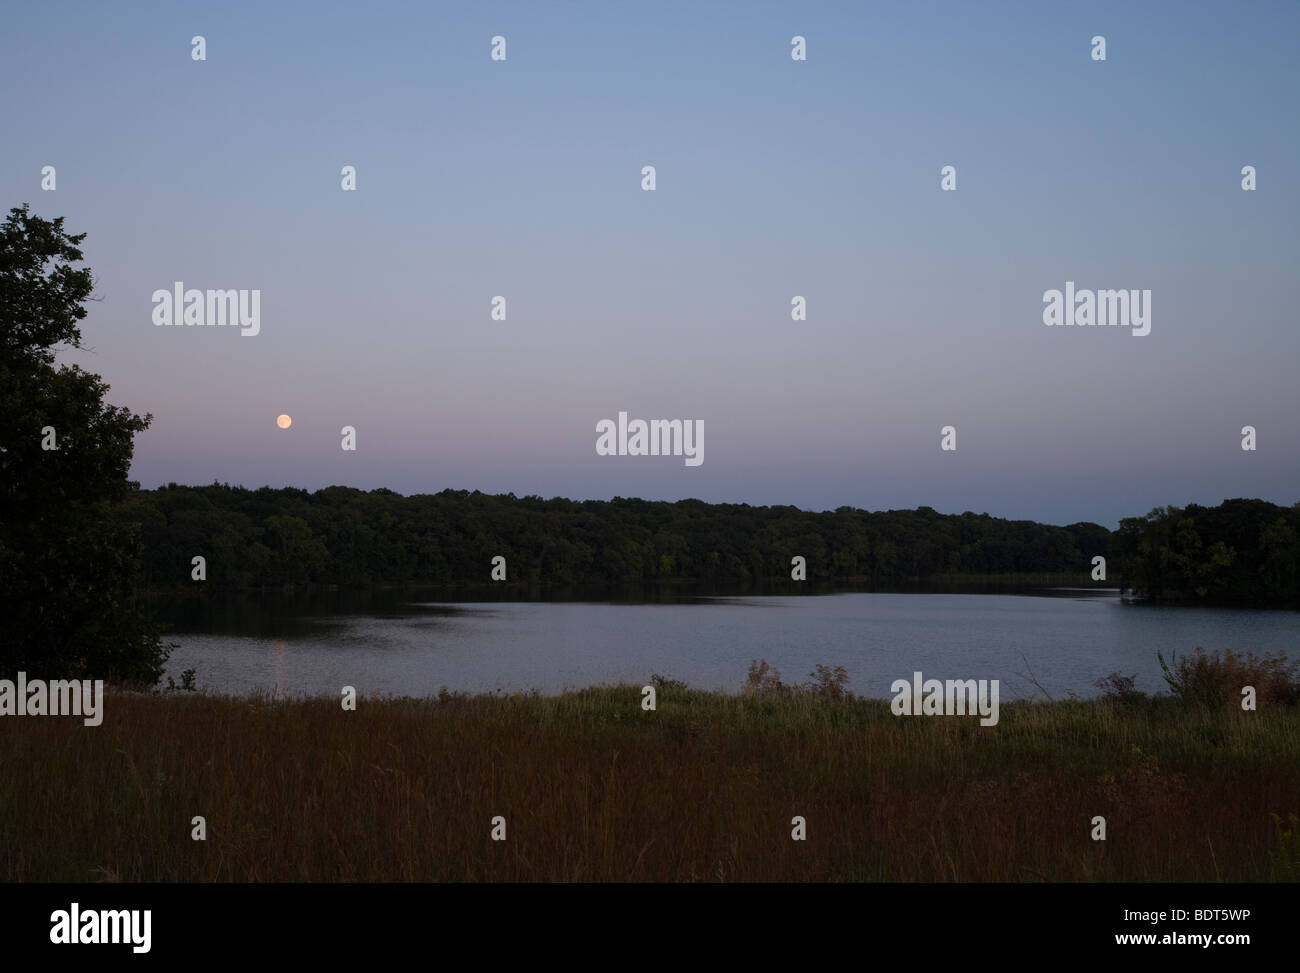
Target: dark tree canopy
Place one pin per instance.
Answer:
(1244, 552)
(68, 563)
(346, 536)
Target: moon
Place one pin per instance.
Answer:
(284, 422)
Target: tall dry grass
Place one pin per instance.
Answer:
(593, 788)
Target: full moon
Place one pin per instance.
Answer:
(284, 422)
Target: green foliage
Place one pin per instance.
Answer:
(346, 536)
(68, 561)
(1241, 552)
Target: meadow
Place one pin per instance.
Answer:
(595, 788)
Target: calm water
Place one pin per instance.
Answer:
(397, 643)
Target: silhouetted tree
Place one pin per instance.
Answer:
(68, 565)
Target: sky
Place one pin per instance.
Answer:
(774, 178)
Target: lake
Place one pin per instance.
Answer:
(410, 643)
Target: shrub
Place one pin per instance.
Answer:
(1118, 688)
(827, 682)
(1216, 679)
(763, 680)
(188, 685)
(663, 682)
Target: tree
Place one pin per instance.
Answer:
(297, 555)
(1241, 552)
(68, 565)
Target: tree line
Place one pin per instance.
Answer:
(345, 536)
(1242, 552)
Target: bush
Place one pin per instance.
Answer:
(1118, 688)
(763, 680)
(827, 682)
(188, 685)
(1216, 679)
(663, 682)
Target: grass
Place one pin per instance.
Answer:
(594, 788)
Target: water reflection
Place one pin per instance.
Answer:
(280, 666)
(408, 643)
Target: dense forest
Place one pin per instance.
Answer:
(1244, 552)
(1240, 552)
(346, 536)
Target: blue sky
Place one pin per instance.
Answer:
(775, 178)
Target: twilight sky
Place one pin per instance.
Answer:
(775, 178)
